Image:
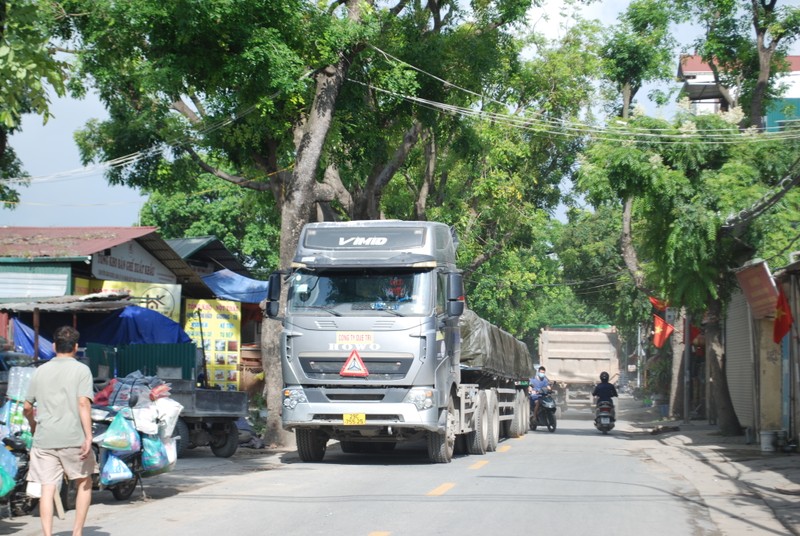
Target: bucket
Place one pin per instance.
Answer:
(768, 440)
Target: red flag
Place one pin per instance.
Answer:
(661, 305)
(662, 331)
(783, 317)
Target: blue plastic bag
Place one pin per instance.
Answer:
(154, 454)
(8, 462)
(6, 482)
(114, 471)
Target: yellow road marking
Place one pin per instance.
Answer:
(441, 490)
(504, 448)
(379, 533)
(478, 465)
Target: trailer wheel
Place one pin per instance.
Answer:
(181, 435)
(517, 426)
(311, 444)
(494, 421)
(478, 438)
(224, 444)
(441, 446)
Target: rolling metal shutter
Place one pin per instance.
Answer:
(740, 368)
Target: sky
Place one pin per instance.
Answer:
(64, 193)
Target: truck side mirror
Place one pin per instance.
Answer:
(455, 294)
(273, 295)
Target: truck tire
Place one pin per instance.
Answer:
(311, 444)
(478, 438)
(518, 424)
(441, 446)
(225, 442)
(181, 435)
(494, 420)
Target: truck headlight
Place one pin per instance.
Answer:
(421, 398)
(292, 397)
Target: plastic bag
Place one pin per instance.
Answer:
(6, 482)
(154, 454)
(114, 471)
(102, 396)
(5, 419)
(121, 435)
(168, 412)
(8, 462)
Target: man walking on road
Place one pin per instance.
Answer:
(62, 428)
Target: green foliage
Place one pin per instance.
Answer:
(238, 218)
(686, 187)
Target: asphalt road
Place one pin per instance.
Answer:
(573, 481)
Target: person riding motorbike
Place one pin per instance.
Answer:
(605, 391)
(538, 385)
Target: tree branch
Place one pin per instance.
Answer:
(183, 109)
(629, 254)
(744, 217)
(239, 181)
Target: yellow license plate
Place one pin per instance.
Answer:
(354, 419)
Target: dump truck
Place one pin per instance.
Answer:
(377, 347)
(574, 356)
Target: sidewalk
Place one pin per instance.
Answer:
(771, 477)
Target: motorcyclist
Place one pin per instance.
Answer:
(605, 391)
(538, 386)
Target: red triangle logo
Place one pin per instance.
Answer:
(354, 366)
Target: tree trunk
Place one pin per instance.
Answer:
(727, 420)
(299, 203)
(679, 341)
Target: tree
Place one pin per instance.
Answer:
(680, 181)
(261, 85)
(639, 49)
(27, 68)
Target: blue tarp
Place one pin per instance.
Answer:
(135, 325)
(232, 286)
(24, 338)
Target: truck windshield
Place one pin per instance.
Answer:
(349, 293)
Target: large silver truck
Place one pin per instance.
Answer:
(377, 347)
(574, 356)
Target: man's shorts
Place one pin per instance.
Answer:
(48, 466)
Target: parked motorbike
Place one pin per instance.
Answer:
(547, 412)
(604, 417)
(17, 501)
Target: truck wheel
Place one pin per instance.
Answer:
(494, 421)
(311, 444)
(224, 443)
(478, 438)
(181, 435)
(518, 422)
(441, 446)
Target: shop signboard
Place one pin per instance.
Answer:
(130, 262)
(215, 326)
(161, 297)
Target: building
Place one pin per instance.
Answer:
(705, 96)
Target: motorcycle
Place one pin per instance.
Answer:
(604, 417)
(547, 412)
(17, 500)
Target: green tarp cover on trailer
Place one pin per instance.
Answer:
(493, 350)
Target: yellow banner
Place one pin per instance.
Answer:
(162, 297)
(215, 326)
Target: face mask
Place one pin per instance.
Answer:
(541, 374)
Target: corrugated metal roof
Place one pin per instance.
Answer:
(27, 242)
(66, 243)
(208, 249)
